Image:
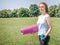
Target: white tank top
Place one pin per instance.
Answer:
(42, 24)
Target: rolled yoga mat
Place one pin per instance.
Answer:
(30, 29)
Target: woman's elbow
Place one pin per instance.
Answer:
(50, 28)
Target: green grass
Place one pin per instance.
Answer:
(10, 31)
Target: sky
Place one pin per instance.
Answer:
(16, 4)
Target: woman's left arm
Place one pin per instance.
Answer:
(48, 20)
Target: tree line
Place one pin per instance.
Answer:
(33, 11)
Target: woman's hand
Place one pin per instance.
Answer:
(46, 35)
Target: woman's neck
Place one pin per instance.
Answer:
(43, 13)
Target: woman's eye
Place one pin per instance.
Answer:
(41, 7)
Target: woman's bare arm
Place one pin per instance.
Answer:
(48, 20)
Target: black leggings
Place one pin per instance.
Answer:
(44, 41)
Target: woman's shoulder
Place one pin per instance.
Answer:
(47, 15)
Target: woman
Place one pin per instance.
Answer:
(44, 24)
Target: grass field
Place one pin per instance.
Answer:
(10, 31)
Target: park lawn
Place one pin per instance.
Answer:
(10, 31)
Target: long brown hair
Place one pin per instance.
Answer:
(46, 7)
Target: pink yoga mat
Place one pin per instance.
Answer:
(30, 29)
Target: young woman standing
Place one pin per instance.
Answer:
(44, 24)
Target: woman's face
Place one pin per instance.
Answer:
(42, 8)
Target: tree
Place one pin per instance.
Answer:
(34, 11)
(14, 13)
(5, 13)
(52, 10)
(23, 12)
(57, 11)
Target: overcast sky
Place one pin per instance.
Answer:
(15, 4)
